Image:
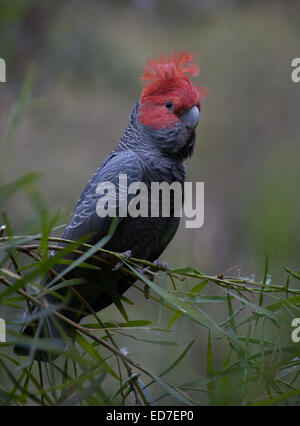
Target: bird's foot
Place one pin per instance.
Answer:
(149, 272)
(120, 263)
(161, 266)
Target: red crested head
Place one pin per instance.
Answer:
(169, 91)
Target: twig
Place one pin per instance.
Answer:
(83, 330)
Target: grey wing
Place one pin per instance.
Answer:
(85, 220)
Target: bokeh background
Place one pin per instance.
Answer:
(87, 59)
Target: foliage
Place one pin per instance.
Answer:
(257, 352)
(260, 363)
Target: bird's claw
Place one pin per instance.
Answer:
(162, 266)
(148, 272)
(120, 263)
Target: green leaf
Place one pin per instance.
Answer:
(163, 283)
(277, 399)
(196, 314)
(88, 253)
(178, 360)
(19, 184)
(264, 281)
(211, 386)
(195, 289)
(129, 324)
(280, 320)
(85, 393)
(94, 354)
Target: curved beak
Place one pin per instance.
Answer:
(191, 117)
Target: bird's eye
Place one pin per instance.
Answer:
(169, 105)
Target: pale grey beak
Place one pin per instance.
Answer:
(191, 117)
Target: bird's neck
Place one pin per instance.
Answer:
(141, 140)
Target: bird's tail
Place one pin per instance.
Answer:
(46, 335)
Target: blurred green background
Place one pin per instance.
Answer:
(88, 57)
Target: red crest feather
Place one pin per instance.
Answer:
(175, 66)
(172, 67)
